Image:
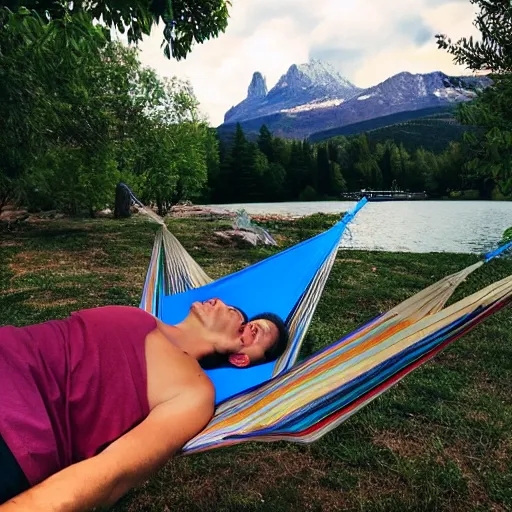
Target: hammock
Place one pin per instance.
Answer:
(300, 403)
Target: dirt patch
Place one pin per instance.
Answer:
(402, 446)
(35, 261)
(11, 214)
(348, 260)
(67, 264)
(250, 477)
(10, 243)
(478, 495)
(392, 485)
(503, 454)
(477, 416)
(47, 301)
(484, 384)
(10, 291)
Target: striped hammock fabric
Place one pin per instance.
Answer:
(300, 403)
(317, 395)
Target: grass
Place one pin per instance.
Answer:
(439, 440)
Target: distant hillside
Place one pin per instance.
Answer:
(381, 122)
(431, 128)
(433, 133)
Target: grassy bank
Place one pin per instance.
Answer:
(439, 440)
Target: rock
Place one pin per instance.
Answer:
(237, 235)
(257, 87)
(310, 82)
(107, 212)
(185, 211)
(11, 214)
(123, 202)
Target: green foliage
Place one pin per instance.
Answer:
(184, 21)
(308, 194)
(489, 151)
(494, 51)
(294, 170)
(106, 117)
(507, 236)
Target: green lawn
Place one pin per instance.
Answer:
(439, 440)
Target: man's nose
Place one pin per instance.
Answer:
(215, 301)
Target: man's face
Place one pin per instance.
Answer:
(225, 328)
(222, 324)
(257, 337)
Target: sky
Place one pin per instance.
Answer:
(367, 40)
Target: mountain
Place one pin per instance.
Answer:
(308, 84)
(314, 98)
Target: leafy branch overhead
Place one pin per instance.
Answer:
(493, 52)
(490, 148)
(184, 22)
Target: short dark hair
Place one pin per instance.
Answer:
(278, 349)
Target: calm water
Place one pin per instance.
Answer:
(410, 226)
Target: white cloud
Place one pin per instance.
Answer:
(370, 40)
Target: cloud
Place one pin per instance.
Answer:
(368, 40)
(416, 29)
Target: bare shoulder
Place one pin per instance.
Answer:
(171, 372)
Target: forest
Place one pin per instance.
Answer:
(80, 114)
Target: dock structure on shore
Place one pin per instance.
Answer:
(385, 195)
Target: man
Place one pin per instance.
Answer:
(92, 405)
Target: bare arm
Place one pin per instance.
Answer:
(127, 462)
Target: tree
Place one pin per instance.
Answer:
(494, 51)
(338, 184)
(32, 54)
(248, 165)
(66, 143)
(431, 176)
(384, 152)
(50, 126)
(324, 171)
(274, 180)
(297, 172)
(184, 21)
(265, 143)
(490, 151)
(366, 172)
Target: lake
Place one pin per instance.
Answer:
(409, 226)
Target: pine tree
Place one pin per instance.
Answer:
(384, 152)
(274, 180)
(265, 143)
(324, 171)
(241, 167)
(297, 172)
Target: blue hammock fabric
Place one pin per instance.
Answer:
(275, 284)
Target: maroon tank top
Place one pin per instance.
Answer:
(68, 388)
